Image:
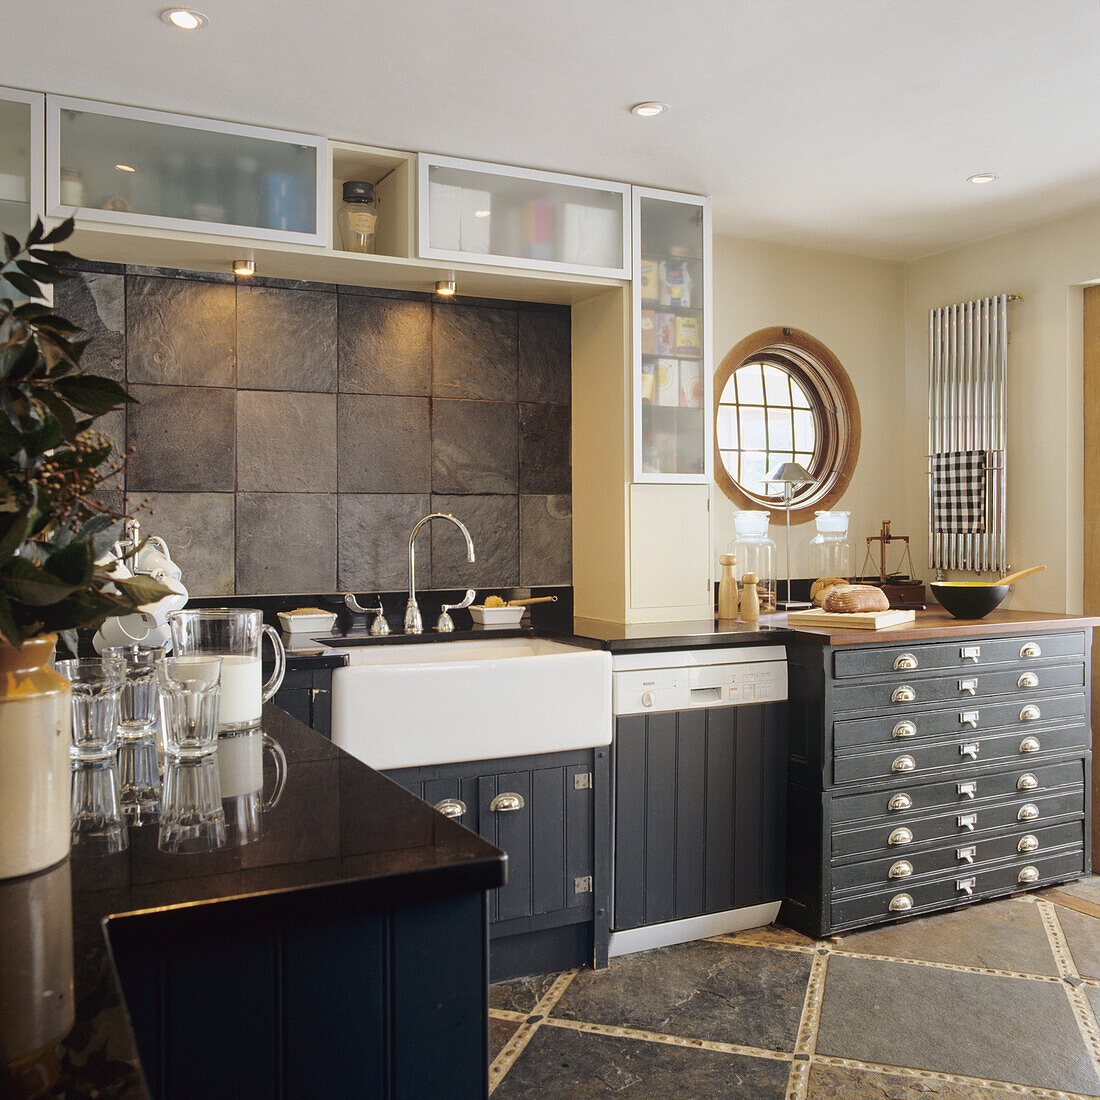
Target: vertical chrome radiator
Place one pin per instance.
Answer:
(967, 377)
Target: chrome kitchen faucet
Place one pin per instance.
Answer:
(414, 624)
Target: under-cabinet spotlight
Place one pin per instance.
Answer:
(124, 168)
(482, 213)
(981, 177)
(445, 287)
(244, 267)
(186, 19)
(649, 109)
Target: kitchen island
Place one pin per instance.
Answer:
(309, 963)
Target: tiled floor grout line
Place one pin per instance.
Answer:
(1069, 901)
(508, 1014)
(798, 1082)
(1078, 1000)
(515, 1046)
(1009, 1087)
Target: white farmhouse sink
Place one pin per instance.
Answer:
(402, 706)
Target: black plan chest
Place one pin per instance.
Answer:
(925, 774)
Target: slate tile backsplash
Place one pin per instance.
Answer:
(290, 434)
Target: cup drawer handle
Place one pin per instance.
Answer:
(1027, 782)
(1030, 649)
(904, 729)
(1030, 713)
(903, 694)
(1028, 680)
(1028, 812)
(506, 803)
(903, 764)
(899, 903)
(902, 869)
(1028, 874)
(1028, 843)
(904, 661)
(899, 836)
(899, 802)
(1030, 744)
(451, 807)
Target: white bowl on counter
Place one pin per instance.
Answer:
(496, 616)
(301, 622)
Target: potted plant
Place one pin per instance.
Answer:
(53, 531)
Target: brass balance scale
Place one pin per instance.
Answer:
(901, 590)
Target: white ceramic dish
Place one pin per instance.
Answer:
(496, 616)
(298, 622)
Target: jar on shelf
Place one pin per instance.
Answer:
(755, 553)
(358, 217)
(830, 548)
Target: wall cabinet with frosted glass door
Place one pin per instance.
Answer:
(21, 133)
(672, 359)
(494, 214)
(125, 166)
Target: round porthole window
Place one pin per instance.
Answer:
(782, 396)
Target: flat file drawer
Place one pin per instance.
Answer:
(967, 653)
(1024, 813)
(899, 902)
(975, 789)
(902, 730)
(900, 694)
(961, 857)
(958, 750)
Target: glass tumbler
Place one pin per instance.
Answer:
(190, 692)
(96, 688)
(191, 815)
(137, 705)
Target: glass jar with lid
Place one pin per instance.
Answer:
(830, 548)
(358, 217)
(755, 553)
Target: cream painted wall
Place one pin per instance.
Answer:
(1047, 266)
(853, 305)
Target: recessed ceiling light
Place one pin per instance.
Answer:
(649, 109)
(244, 267)
(981, 177)
(187, 19)
(124, 168)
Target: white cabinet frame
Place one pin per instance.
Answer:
(37, 102)
(55, 104)
(427, 161)
(703, 203)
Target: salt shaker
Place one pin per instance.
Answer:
(750, 599)
(727, 588)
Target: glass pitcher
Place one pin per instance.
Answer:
(235, 635)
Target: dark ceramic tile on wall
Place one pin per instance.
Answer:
(179, 273)
(180, 332)
(183, 437)
(385, 346)
(493, 523)
(545, 356)
(384, 444)
(286, 542)
(113, 426)
(545, 540)
(286, 442)
(286, 339)
(373, 542)
(474, 352)
(545, 460)
(96, 302)
(199, 531)
(474, 447)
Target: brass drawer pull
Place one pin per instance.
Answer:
(1028, 874)
(905, 661)
(1028, 680)
(1030, 744)
(1028, 812)
(966, 854)
(505, 803)
(966, 885)
(903, 694)
(969, 686)
(970, 718)
(451, 807)
(899, 802)
(967, 821)
(899, 836)
(1030, 649)
(970, 653)
(1030, 713)
(1028, 843)
(902, 869)
(904, 764)
(968, 790)
(900, 902)
(1027, 782)
(904, 729)
(971, 749)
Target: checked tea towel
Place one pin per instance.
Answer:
(958, 492)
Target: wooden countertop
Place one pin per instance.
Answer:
(936, 624)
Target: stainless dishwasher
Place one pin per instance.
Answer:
(699, 793)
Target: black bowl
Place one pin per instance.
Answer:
(969, 601)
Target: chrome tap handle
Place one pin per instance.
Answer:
(445, 624)
(352, 604)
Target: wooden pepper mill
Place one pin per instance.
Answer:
(727, 588)
(750, 599)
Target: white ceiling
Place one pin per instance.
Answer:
(837, 124)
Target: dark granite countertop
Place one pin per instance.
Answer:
(338, 822)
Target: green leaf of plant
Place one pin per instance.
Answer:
(93, 394)
(28, 311)
(59, 233)
(35, 236)
(9, 629)
(52, 323)
(16, 527)
(41, 273)
(12, 247)
(56, 257)
(73, 563)
(23, 284)
(142, 590)
(62, 413)
(28, 583)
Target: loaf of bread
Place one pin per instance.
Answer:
(848, 598)
(821, 586)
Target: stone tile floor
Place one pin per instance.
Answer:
(997, 1000)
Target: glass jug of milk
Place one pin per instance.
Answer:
(235, 635)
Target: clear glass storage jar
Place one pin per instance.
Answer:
(358, 217)
(755, 553)
(830, 548)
